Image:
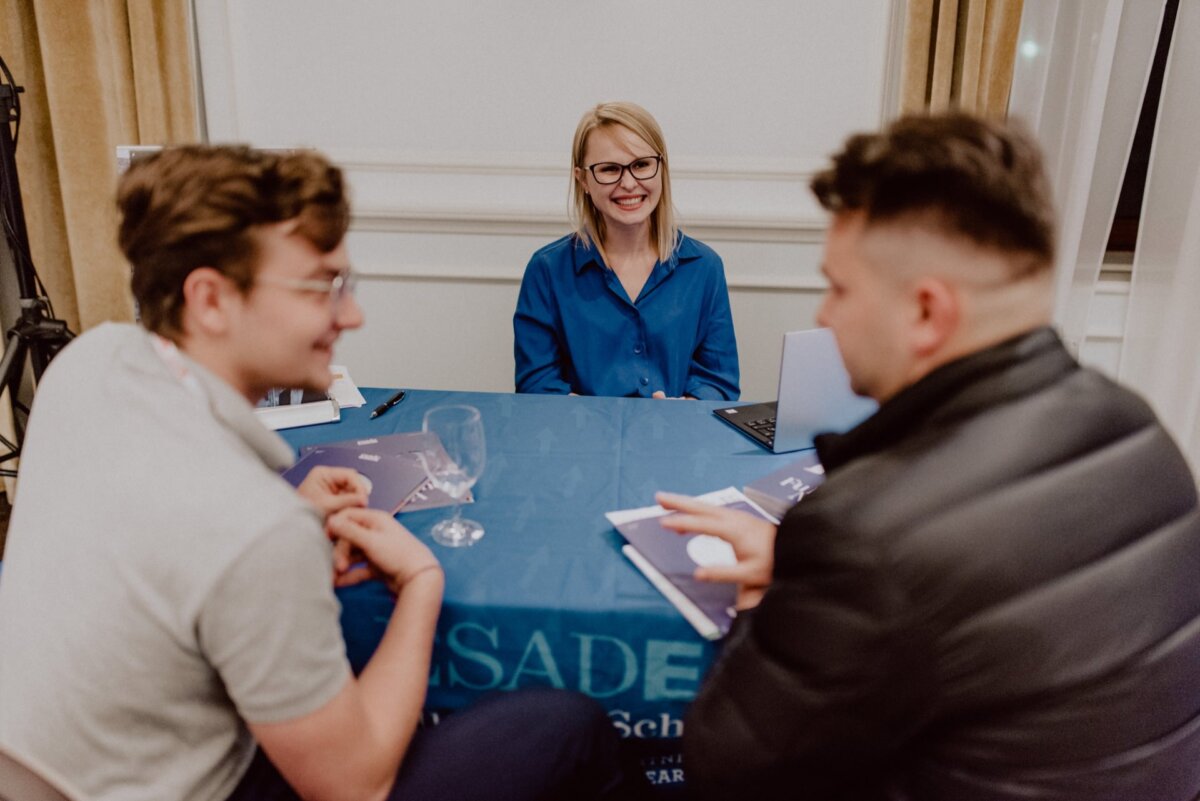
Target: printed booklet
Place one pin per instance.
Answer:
(669, 560)
(407, 445)
(781, 490)
(390, 480)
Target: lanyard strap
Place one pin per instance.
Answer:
(169, 353)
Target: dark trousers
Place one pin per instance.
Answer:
(528, 745)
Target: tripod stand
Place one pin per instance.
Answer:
(37, 335)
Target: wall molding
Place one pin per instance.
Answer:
(1107, 314)
(1106, 329)
(553, 165)
(385, 206)
(804, 284)
(755, 228)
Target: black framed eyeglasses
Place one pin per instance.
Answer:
(337, 287)
(610, 172)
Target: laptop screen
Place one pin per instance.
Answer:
(814, 391)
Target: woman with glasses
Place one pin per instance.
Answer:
(626, 305)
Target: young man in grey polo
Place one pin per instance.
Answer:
(168, 628)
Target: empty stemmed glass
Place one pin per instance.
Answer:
(455, 471)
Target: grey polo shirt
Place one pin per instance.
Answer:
(161, 585)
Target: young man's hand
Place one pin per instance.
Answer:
(333, 488)
(369, 544)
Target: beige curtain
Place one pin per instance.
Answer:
(959, 54)
(97, 74)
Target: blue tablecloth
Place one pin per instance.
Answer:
(546, 597)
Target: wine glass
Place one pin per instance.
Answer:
(455, 469)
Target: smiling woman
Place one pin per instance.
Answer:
(626, 305)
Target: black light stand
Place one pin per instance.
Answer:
(37, 335)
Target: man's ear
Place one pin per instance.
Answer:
(206, 299)
(939, 312)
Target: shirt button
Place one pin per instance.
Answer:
(637, 349)
(645, 381)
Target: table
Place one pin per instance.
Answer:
(546, 598)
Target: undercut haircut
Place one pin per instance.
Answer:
(956, 175)
(200, 206)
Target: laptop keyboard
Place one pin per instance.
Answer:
(765, 427)
(754, 420)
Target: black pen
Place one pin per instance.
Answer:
(387, 404)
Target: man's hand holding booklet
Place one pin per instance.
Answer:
(710, 555)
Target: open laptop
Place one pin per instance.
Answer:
(814, 397)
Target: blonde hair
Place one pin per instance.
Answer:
(589, 225)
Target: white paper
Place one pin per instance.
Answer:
(343, 388)
(721, 497)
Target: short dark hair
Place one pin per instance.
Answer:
(961, 175)
(198, 206)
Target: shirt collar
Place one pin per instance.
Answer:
(959, 389)
(588, 255)
(226, 404)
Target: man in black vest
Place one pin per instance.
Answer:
(994, 594)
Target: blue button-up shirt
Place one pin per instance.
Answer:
(576, 329)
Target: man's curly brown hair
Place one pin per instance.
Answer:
(198, 206)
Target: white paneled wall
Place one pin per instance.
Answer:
(454, 121)
(1106, 325)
